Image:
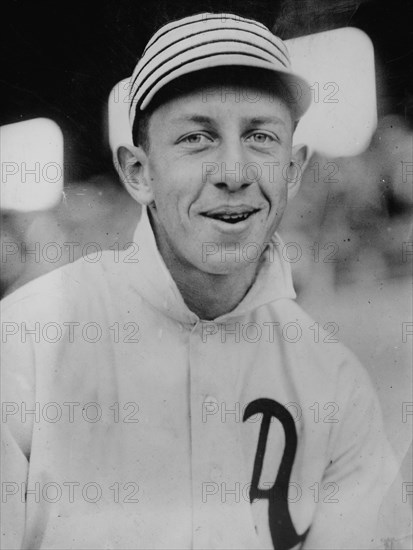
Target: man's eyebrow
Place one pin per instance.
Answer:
(264, 120)
(200, 119)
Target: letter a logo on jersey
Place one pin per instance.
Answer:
(283, 534)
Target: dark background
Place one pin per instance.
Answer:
(62, 58)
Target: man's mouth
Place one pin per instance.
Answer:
(230, 215)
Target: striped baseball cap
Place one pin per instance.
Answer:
(209, 40)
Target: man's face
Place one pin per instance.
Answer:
(217, 165)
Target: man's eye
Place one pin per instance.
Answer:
(262, 138)
(196, 139)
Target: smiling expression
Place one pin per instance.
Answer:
(217, 166)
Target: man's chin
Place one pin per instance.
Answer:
(230, 257)
(222, 266)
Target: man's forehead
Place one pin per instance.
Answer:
(254, 103)
(256, 97)
(241, 92)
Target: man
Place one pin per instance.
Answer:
(174, 395)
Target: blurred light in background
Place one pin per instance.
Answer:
(339, 66)
(31, 165)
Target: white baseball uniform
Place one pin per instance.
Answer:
(150, 428)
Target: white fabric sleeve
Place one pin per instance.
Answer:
(18, 399)
(361, 470)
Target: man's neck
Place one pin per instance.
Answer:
(208, 295)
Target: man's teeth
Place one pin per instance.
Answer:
(232, 218)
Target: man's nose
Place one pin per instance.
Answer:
(231, 171)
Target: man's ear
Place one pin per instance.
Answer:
(132, 164)
(295, 170)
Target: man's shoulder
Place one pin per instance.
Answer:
(320, 354)
(69, 286)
